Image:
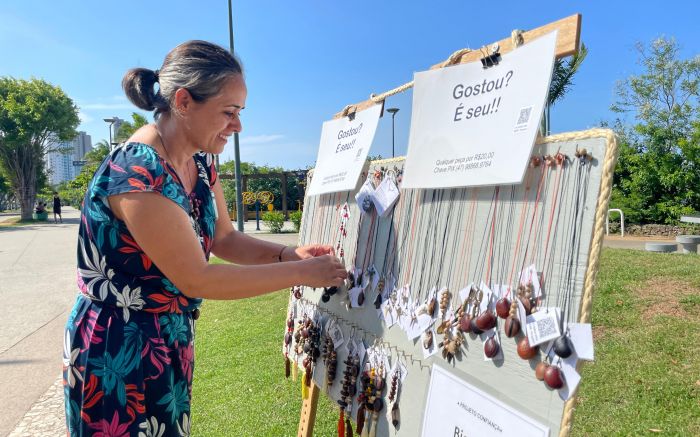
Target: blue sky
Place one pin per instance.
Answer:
(306, 60)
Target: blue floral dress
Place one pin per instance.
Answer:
(128, 353)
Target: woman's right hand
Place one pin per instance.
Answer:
(323, 271)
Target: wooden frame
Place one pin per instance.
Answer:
(568, 43)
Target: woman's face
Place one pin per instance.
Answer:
(210, 123)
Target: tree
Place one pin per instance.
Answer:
(34, 117)
(127, 128)
(98, 153)
(657, 178)
(562, 81)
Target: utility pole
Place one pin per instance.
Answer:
(236, 146)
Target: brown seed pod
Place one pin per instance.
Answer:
(465, 323)
(428, 339)
(553, 378)
(525, 351)
(527, 304)
(378, 404)
(395, 415)
(491, 347)
(512, 327)
(431, 307)
(486, 320)
(540, 369)
(475, 329)
(360, 420)
(503, 307)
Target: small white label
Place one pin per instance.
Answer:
(385, 196)
(360, 350)
(354, 294)
(364, 197)
(582, 338)
(542, 326)
(336, 335)
(486, 298)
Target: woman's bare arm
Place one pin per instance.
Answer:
(163, 231)
(240, 248)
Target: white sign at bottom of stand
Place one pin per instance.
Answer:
(456, 408)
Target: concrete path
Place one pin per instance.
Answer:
(37, 287)
(37, 267)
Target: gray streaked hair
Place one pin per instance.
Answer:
(200, 67)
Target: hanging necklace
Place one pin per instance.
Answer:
(194, 202)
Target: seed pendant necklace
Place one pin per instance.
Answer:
(194, 202)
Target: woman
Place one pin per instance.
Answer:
(56, 207)
(153, 213)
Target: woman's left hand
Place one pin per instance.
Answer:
(310, 251)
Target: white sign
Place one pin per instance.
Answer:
(473, 126)
(343, 150)
(455, 408)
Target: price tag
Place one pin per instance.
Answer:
(542, 326)
(385, 196)
(364, 197)
(336, 335)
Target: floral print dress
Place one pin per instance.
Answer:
(129, 342)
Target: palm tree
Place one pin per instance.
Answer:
(95, 156)
(562, 80)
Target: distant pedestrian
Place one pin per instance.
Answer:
(56, 207)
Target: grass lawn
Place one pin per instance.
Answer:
(645, 380)
(646, 325)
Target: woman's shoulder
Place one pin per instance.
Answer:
(136, 153)
(130, 167)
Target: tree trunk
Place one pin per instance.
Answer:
(26, 191)
(27, 205)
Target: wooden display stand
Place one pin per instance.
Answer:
(568, 41)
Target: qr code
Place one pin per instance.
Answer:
(524, 116)
(546, 327)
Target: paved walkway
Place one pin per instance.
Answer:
(37, 265)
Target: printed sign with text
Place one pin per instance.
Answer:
(343, 150)
(456, 408)
(472, 126)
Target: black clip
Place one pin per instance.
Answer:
(493, 59)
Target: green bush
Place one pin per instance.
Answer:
(274, 220)
(295, 217)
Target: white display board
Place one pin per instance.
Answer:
(507, 382)
(342, 152)
(472, 126)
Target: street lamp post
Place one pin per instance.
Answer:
(393, 112)
(236, 146)
(111, 122)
